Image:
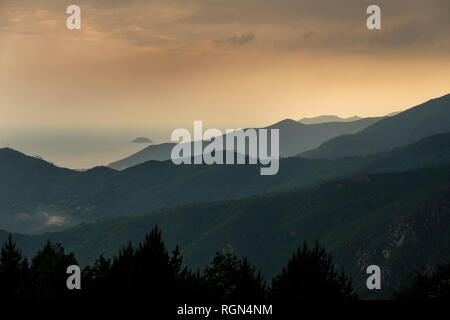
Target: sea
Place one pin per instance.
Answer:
(80, 148)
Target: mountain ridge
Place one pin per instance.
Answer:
(103, 192)
(327, 118)
(429, 118)
(294, 138)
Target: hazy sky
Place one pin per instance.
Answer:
(232, 63)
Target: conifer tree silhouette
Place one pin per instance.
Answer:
(311, 275)
(230, 279)
(11, 264)
(96, 278)
(430, 284)
(147, 272)
(48, 272)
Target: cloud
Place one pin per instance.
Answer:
(403, 36)
(141, 38)
(57, 221)
(238, 40)
(409, 33)
(325, 25)
(43, 218)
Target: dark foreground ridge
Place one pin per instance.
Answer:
(148, 272)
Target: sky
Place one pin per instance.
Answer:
(230, 63)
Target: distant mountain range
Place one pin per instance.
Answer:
(36, 196)
(327, 118)
(431, 117)
(35, 191)
(158, 152)
(295, 137)
(332, 118)
(379, 196)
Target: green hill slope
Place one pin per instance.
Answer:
(37, 193)
(399, 221)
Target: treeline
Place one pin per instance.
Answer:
(150, 272)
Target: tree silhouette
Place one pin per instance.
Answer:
(146, 272)
(229, 279)
(427, 285)
(48, 272)
(24, 290)
(311, 275)
(96, 278)
(149, 273)
(11, 266)
(251, 286)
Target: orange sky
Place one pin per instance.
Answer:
(229, 63)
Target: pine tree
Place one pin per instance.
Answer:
(148, 272)
(430, 284)
(311, 275)
(10, 269)
(96, 279)
(24, 290)
(230, 279)
(48, 272)
(251, 285)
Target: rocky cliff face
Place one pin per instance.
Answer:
(410, 239)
